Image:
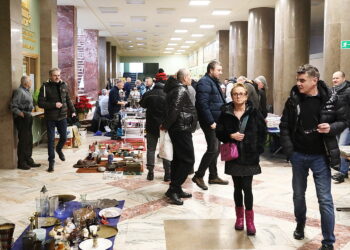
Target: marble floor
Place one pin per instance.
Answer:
(205, 221)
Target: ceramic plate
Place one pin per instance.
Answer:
(47, 221)
(102, 244)
(106, 231)
(110, 212)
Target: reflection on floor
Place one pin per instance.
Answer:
(203, 222)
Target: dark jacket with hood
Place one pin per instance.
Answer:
(343, 93)
(181, 114)
(249, 149)
(52, 92)
(155, 103)
(209, 99)
(332, 112)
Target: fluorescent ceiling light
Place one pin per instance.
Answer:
(199, 2)
(139, 30)
(121, 34)
(140, 38)
(188, 20)
(167, 52)
(181, 31)
(108, 10)
(116, 24)
(190, 42)
(161, 25)
(165, 10)
(172, 44)
(169, 48)
(185, 46)
(131, 46)
(206, 26)
(197, 35)
(221, 12)
(177, 53)
(176, 39)
(140, 44)
(138, 18)
(180, 50)
(135, 1)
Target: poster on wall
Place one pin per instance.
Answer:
(30, 26)
(210, 52)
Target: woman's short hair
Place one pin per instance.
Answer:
(237, 85)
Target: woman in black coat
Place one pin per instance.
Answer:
(250, 144)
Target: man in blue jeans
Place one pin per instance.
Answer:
(54, 98)
(311, 119)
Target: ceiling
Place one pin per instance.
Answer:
(146, 29)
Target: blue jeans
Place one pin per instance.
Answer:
(62, 131)
(301, 163)
(344, 139)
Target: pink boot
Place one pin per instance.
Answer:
(249, 217)
(239, 225)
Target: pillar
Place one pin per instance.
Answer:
(91, 63)
(345, 35)
(114, 62)
(102, 62)
(238, 48)
(261, 22)
(11, 71)
(108, 59)
(222, 36)
(292, 41)
(48, 37)
(67, 42)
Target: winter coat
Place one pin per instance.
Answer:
(161, 77)
(333, 111)
(50, 93)
(247, 164)
(155, 103)
(262, 101)
(344, 97)
(114, 98)
(181, 114)
(209, 99)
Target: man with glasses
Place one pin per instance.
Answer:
(310, 122)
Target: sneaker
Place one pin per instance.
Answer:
(200, 182)
(218, 181)
(326, 247)
(299, 231)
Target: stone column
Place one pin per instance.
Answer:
(48, 37)
(345, 35)
(238, 48)
(261, 23)
(108, 59)
(222, 37)
(10, 73)
(102, 62)
(91, 63)
(292, 39)
(67, 42)
(114, 62)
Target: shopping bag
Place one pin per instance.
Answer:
(165, 146)
(228, 151)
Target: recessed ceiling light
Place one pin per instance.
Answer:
(190, 42)
(116, 24)
(141, 44)
(185, 46)
(169, 48)
(138, 18)
(197, 35)
(172, 44)
(181, 31)
(135, 1)
(139, 31)
(161, 25)
(121, 34)
(108, 10)
(131, 46)
(176, 39)
(180, 50)
(177, 53)
(188, 20)
(199, 2)
(206, 26)
(221, 12)
(140, 38)
(165, 10)
(167, 52)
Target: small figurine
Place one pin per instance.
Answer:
(69, 225)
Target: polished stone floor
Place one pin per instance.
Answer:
(205, 221)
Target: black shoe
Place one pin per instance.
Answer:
(183, 194)
(61, 155)
(326, 247)
(218, 180)
(51, 166)
(174, 197)
(339, 177)
(299, 231)
(150, 176)
(166, 177)
(200, 182)
(34, 165)
(24, 167)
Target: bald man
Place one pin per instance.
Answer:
(342, 90)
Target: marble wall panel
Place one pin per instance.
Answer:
(114, 62)
(102, 53)
(108, 59)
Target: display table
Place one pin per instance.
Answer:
(345, 153)
(112, 222)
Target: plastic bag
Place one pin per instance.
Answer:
(165, 146)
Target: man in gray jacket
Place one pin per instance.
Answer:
(21, 107)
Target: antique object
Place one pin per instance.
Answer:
(102, 244)
(107, 231)
(101, 169)
(110, 212)
(105, 203)
(6, 235)
(44, 201)
(29, 238)
(47, 221)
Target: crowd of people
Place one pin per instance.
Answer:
(315, 121)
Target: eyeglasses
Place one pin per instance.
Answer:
(239, 94)
(309, 131)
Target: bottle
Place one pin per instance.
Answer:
(44, 201)
(29, 238)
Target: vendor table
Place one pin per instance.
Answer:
(112, 222)
(345, 153)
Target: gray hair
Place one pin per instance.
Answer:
(262, 79)
(310, 70)
(104, 91)
(24, 79)
(181, 74)
(53, 70)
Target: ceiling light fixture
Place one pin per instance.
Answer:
(176, 39)
(181, 31)
(190, 42)
(197, 35)
(178, 53)
(221, 12)
(180, 50)
(206, 26)
(167, 52)
(140, 38)
(141, 44)
(116, 24)
(188, 20)
(121, 34)
(135, 1)
(108, 10)
(169, 48)
(185, 46)
(140, 31)
(172, 44)
(138, 18)
(165, 10)
(199, 2)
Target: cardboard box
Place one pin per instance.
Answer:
(68, 144)
(69, 132)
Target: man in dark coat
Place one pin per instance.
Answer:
(209, 99)
(310, 122)
(155, 103)
(116, 98)
(54, 98)
(180, 122)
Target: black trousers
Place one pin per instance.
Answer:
(210, 157)
(25, 140)
(183, 158)
(243, 184)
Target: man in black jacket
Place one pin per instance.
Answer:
(310, 122)
(54, 98)
(209, 99)
(180, 122)
(155, 103)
